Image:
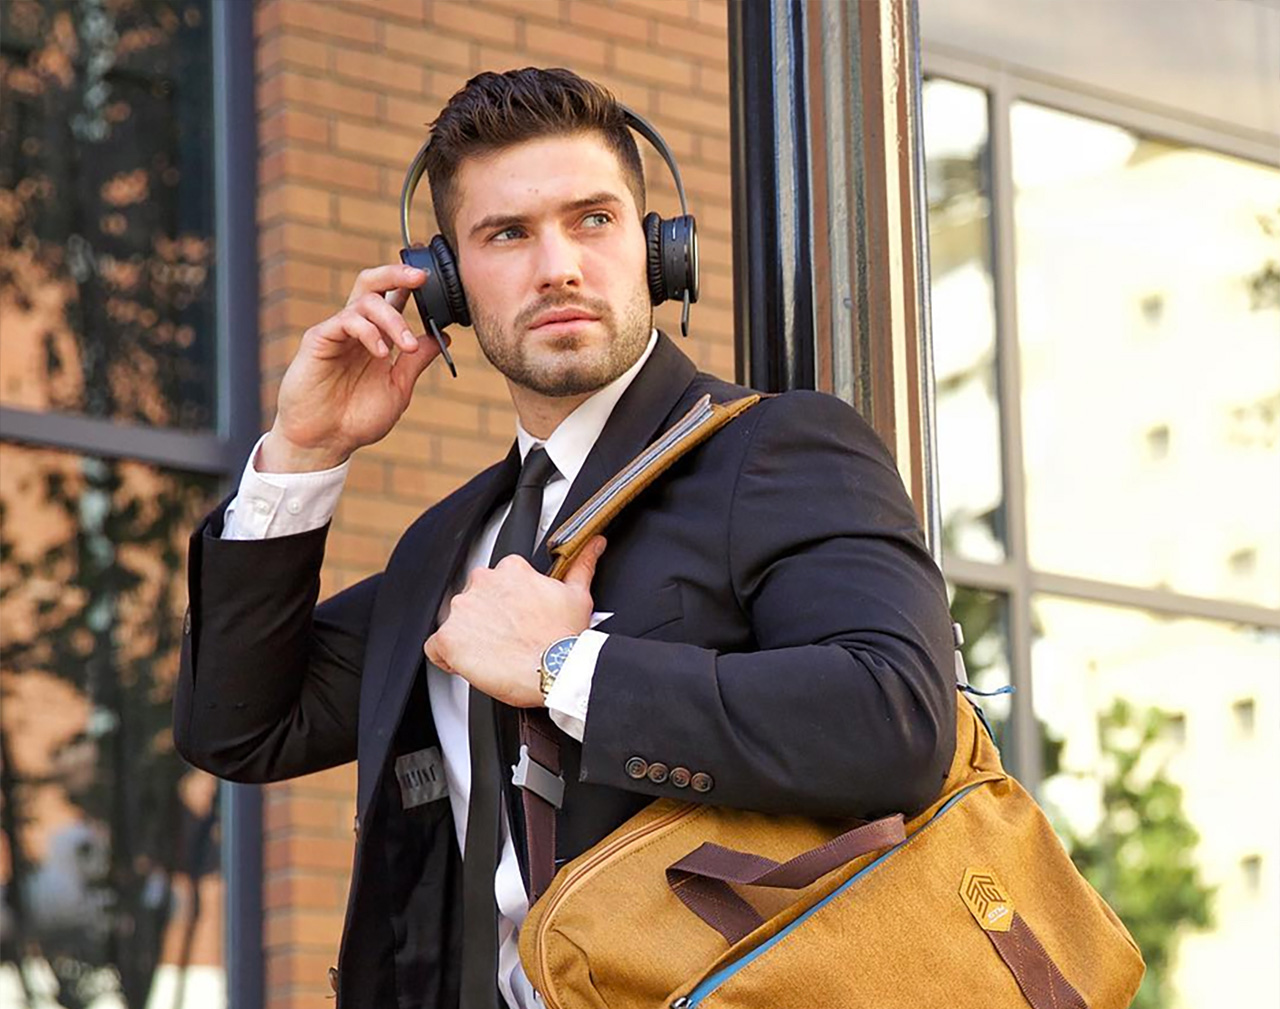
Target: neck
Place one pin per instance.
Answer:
(541, 415)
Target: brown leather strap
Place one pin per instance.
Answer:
(1037, 975)
(701, 879)
(537, 731)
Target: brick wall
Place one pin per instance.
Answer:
(344, 90)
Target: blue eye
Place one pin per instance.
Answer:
(604, 217)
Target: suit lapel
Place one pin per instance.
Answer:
(421, 583)
(635, 420)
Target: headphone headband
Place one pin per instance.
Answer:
(633, 119)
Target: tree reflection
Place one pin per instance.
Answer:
(105, 300)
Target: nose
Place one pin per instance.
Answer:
(559, 263)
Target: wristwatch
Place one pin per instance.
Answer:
(553, 660)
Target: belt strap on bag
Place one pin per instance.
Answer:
(701, 879)
(538, 774)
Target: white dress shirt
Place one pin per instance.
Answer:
(280, 504)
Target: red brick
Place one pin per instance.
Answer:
(382, 143)
(428, 47)
(707, 115)
(292, 88)
(291, 276)
(294, 851)
(381, 71)
(423, 486)
(322, 243)
(376, 514)
(285, 123)
(286, 47)
(306, 927)
(712, 13)
(471, 20)
(566, 46)
(674, 10)
(410, 11)
(296, 202)
(608, 21)
(713, 81)
(321, 18)
(703, 45)
(334, 170)
(295, 967)
(650, 65)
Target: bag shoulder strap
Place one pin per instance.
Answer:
(539, 770)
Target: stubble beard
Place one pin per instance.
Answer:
(572, 366)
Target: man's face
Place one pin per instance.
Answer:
(552, 257)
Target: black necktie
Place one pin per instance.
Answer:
(480, 859)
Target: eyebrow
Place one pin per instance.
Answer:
(500, 221)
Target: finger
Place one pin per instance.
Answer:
(583, 568)
(398, 298)
(359, 328)
(379, 311)
(431, 648)
(380, 279)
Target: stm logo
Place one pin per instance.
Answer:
(987, 900)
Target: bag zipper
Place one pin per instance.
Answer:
(710, 984)
(589, 868)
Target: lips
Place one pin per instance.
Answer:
(559, 315)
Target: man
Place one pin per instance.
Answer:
(764, 629)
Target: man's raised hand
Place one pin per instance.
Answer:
(345, 388)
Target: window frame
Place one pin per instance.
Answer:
(1015, 576)
(221, 451)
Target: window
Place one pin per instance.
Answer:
(117, 432)
(1105, 311)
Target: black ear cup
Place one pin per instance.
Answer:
(455, 297)
(653, 261)
(671, 250)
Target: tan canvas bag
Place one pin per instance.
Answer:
(972, 904)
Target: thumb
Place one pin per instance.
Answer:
(583, 568)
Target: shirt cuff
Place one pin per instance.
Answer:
(267, 505)
(567, 699)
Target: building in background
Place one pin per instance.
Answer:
(1105, 239)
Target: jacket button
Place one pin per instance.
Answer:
(680, 777)
(356, 828)
(637, 767)
(702, 782)
(658, 772)
(333, 979)
(186, 621)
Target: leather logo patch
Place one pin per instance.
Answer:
(987, 900)
(421, 777)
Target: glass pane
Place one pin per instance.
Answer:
(106, 210)
(1149, 333)
(984, 618)
(110, 859)
(1169, 729)
(964, 321)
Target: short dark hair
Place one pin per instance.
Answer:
(497, 110)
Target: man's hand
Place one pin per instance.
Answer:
(344, 389)
(502, 622)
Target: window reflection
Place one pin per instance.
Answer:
(964, 341)
(1150, 794)
(111, 882)
(106, 211)
(1149, 334)
(984, 618)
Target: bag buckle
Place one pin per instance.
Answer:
(531, 775)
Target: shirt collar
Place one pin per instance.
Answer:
(571, 442)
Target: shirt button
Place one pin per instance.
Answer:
(702, 782)
(658, 772)
(294, 506)
(637, 767)
(261, 505)
(333, 979)
(680, 777)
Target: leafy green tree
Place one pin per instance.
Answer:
(1141, 855)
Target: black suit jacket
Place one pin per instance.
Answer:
(779, 627)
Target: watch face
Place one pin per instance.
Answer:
(557, 653)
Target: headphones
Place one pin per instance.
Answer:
(672, 252)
